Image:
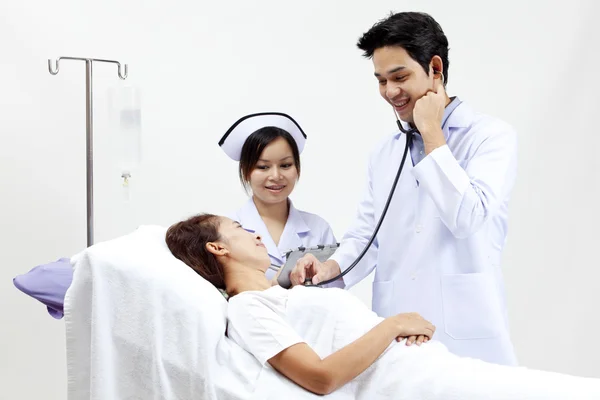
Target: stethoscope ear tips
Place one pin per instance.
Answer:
(436, 72)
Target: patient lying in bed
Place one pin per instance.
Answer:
(326, 340)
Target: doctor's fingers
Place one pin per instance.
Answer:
(297, 276)
(320, 274)
(308, 257)
(299, 272)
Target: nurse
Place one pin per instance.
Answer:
(438, 251)
(268, 147)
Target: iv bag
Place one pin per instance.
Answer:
(126, 128)
(126, 116)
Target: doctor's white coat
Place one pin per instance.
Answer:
(302, 229)
(438, 251)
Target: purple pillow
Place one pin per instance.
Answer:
(48, 283)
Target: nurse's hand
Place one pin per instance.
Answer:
(309, 267)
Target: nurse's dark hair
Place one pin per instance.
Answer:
(256, 144)
(416, 32)
(187, 241)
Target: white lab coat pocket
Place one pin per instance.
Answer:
(471, 307)
(383, 297)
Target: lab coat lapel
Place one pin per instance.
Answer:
(251, 220)
(294, 228)
(461, 117)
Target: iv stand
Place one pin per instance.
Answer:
(89, 132)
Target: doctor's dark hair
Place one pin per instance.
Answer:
(256, 144)
(417, 33)
(187, 241)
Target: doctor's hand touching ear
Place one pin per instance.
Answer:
(428, 114)
(310, 267)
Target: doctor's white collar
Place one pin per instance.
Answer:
(457, 114)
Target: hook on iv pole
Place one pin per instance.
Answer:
(122, 68)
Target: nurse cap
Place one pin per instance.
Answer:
(235, 137)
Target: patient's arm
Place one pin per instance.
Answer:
(302, 365)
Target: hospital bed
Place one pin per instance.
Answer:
(140, 324)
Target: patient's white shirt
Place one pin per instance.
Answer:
(265, 323)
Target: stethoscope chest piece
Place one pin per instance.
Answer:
(308, 282)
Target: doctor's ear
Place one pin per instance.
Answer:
(216, 248)
(437, 68)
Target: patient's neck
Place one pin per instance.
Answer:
(242, 279)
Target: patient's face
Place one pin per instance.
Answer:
(274, 176)
(244, 247)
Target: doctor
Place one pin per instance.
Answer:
(438, 251)
(267, 147)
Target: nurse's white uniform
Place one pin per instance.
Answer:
(302, 229)
(438, 251)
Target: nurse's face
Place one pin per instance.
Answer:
(275, 174)
(402, 81)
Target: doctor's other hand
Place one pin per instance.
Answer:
(412, 327)
(310, 267)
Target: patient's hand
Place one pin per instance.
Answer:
(413, 327)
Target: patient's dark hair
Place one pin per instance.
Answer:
(187, 241)
(416, 32)
(255, 145)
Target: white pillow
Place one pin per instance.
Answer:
(144, 256)
(140, 322)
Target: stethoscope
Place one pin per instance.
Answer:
(409, 136)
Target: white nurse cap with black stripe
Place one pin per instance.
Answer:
(235, 137)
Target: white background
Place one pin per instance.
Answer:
(200, 65)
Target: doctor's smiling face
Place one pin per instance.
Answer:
(402, 81)
(270, 165)
(409, 52)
